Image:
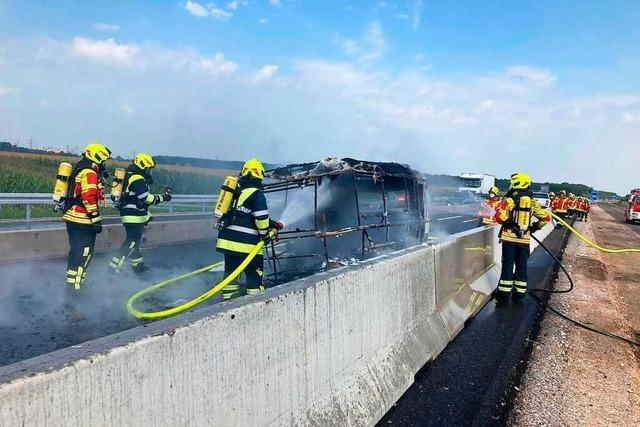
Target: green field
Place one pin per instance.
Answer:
(35, 173)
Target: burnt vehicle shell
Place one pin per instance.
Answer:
(338, 211)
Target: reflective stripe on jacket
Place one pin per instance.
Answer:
(489, 210)
(506, 215)
(560, 204)
(137, 198)
(248, 221)
(87, 191)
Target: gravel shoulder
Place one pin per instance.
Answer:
(575, 377)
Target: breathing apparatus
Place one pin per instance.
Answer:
(61, 185)
(116, 187)
(225, 199)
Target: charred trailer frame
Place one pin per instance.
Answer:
(341, 210)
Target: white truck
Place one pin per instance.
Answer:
(478, 183)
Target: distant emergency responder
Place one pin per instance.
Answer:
(552, 197)
(515, 212)
(582, 206)
(134, 209)
(587, 209)
(246, 223)
(571, 206)
(489, 207)
(559, 206)
(81, 210)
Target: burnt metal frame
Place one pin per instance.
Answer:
(294, 183)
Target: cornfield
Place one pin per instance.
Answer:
(35, 173)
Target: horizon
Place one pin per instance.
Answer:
(546, 88)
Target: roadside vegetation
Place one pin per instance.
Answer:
(35, 173)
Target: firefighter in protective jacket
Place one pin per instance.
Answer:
(489, 207)
(134, 210)
(515, 213)
(81, 211)
(244, 225)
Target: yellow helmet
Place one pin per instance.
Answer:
(520, 181)
(563, 192)
(254, 168)
(494, 190)
(144, 161)
(97, 152)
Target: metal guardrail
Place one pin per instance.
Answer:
(31, 199)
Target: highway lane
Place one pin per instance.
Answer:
(467, 383)
(38, 314)
(38, 223)
(617, 212)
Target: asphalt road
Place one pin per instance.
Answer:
(8, 225)
(617, 212)
(467, 383)
(38, 314)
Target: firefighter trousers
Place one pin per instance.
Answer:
(514, 269)
(82, 241)
(130, 248)
(253, 274)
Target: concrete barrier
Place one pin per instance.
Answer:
(53, 242)
(466, 275)
(339, 347)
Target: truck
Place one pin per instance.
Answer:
(632, 212)
(479, 183)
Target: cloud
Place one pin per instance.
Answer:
(6, 90)
(105, 51)
(187, 103)
(196, 9)
(275, 3)
(401, 16)
(417, 15)
(127, 109)
(371, 45)
(100, 26)
(218, 65)
(263, 21)
(210, 10)
(631, 118)
(265, 73)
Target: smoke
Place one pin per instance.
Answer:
(39, 313)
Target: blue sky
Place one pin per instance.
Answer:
(547, 87)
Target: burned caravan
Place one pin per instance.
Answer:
(337, 211)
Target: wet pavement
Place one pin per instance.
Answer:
(469, 382)
(40, 314)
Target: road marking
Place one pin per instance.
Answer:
(449, 217)
(470, 220)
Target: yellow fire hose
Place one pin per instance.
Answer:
(589, 242)
(189, 304)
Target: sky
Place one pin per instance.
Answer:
(546, 87)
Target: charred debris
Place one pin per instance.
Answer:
(340, 211)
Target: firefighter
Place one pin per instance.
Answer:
(559, 206)
(245, 224)
(489, 207)
(134, 211)
(81, 211)
(515, 212)
(587, 208)
(571, 206)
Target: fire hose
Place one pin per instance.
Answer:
(148, 315)
(589, 242)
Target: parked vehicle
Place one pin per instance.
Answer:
(543, 198)
(632, 212)
(479, 183)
